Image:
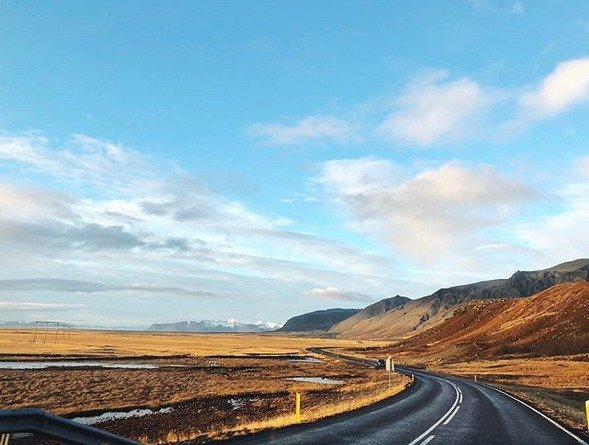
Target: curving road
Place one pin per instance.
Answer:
(436, 410)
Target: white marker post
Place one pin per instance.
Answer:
(389, 366)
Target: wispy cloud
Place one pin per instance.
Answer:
(64, 285)
(561, 234)
(333, 293)
(26, 307)
(563, 89)
(149, 229)
(426, 214)
(312, 128)
(433, 108)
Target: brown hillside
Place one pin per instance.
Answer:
(406, 318)
(553, 322)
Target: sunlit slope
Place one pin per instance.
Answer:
(410, 317)
(552, 322)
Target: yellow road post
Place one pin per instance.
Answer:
(298, 407)
(587, 413)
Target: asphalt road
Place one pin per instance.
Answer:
(436, 410)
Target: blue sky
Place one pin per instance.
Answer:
(178, 160)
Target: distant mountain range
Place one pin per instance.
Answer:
(400, 317)
(213, 326)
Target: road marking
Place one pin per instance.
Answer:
(460, 399)
(428, 440)
(578, 439)
(429, 430)
(452, 416)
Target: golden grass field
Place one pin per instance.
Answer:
(218, 371)
(251, 369)
(114, 343)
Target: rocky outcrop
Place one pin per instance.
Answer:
(382, 306)
(530, 283)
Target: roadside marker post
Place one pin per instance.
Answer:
(298, 407)
(587, 413)
(389, 366)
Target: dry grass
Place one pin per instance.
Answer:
(560, 373)
(250, 368)
(108, 344)
(315, 406)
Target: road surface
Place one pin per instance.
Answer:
(436, 410)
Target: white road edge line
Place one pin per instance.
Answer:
(460, 398)
(452, 416)
(578, 439)
(428, 440)
(429, 430)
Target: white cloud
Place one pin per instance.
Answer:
(561, 235)
(32, 203)
(133, 228)
(65, 285)
(21, 306)
(333, 293)
(428, 213)
(358, 176)
(326, 128)
(563, 89)
(86, 160)
(433, 108)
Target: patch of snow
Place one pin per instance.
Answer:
(238, 402)
(321, 380)
(73, 364)
(113, 415)
(305, 360)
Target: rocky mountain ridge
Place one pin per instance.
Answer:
(416, 315)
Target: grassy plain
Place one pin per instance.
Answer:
(135, 344)
(217, 384)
